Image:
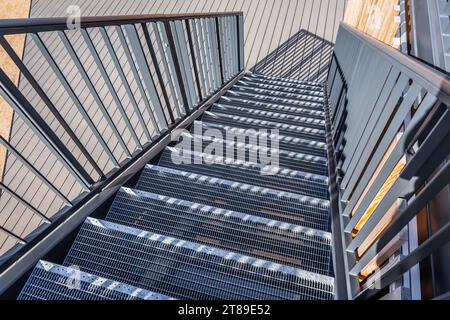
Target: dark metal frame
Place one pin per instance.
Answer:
(29, 249)
(388, 84)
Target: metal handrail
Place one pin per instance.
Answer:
(387, 108)
(432, 80)
(160, 52)
(17, 26)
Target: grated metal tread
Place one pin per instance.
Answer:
(268, 115)
(283, 83)
(296, 111)
(264, 202)
(263, 238)
(252, 151)
(49, 281)
(290, 81)
(278, 94)
(296, 131)
(188, 270)
(275, 100)
(284, 142)
(253, 84)
(247, 172)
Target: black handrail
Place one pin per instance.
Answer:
(380, 124)
(159, 53)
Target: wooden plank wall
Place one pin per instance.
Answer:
(9, 9)
(311, 25)
(378, 18)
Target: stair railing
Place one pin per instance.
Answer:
(96, 99)
(390, 129)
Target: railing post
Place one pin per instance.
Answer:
(220, 49)
(176, 63)
(238, 42)
(194, 63)
(157, 70)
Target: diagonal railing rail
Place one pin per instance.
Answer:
(390, 118)
(101, 98)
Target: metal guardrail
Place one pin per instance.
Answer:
(391, 136)
(136, 77)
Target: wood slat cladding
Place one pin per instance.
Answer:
(10, 9)
(285, 38)
(378, 18)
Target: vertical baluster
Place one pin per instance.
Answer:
(177, 67)
(107, 80)
(145, 72)
(194, 60)
(148, 40)
(82, 72)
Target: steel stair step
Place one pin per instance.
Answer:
(288, 82)
(49, 281)
(253, 84)
(287, 143)
(282, 179)
(272, 240)
(277, 94)
(231, 195)
(283, 84)
(295, 111)
(188, 270)
(269, 115)
(256, 152)
(296, 131)
(277, 100)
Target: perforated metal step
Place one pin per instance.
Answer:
(282, 179)
(283, 82)
(275, 100)
(279, 94)
(296, 131)
(296, 111)
(273, 240)
(231, 195)
(287, 143)
(50, 281)
(269, 115)
(188, 270)
(254, 152)
(246, 82)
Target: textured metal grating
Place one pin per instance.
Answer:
(278, 94)
(296, 111)
(284, 142)
(50, 281)
(247, 151)
(282, 84)
(297, 131)
(269, 115)
(273, 99)
(310, 90)
(231, 195)
(256, 236)
(188, 270)
(291, 82)
(252, 173)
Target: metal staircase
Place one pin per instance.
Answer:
(153, 177)
(215, 231)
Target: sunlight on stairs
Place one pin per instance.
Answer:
(221, 230)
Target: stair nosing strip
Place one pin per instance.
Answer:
(200, 248)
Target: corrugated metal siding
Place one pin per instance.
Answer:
(289, 38)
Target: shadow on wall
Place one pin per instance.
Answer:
(304, 56)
